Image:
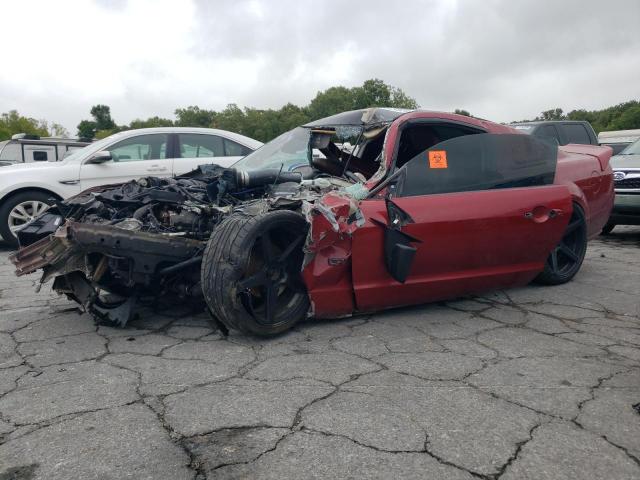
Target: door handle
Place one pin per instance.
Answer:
(156, 168)
(541, 214)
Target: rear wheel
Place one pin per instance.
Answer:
(566, 258)
(251, 275)
(19, 210)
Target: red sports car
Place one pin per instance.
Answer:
(361, 211)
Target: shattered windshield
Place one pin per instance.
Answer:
(335, 139)
(295, 147)
(291, 149)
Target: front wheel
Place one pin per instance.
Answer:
(19, 210)
(566, 258)
(251, 272)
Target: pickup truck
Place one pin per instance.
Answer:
(563, 132)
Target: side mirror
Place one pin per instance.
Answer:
(100, 157)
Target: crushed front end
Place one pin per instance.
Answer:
(114, 247)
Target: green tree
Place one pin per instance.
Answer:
(372, 93)
(194, 116)
(399, 99)
(629, 119)
(552, 114)
(150, 123)
(460, 111)
(232, 118)
(330, 102)
(102, 116)
(58, 130)
(87, 129)
(12, 123)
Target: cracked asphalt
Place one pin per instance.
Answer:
(535, 382)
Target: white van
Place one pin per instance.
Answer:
(23, 148)
(618, 139)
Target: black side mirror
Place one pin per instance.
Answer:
(398, 249)
(100, 157)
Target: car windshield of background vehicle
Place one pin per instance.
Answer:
(291, 149)
(92, 148)
(633, 149)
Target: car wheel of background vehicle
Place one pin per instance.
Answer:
(607, 229)
(19, 210)
(251, 272)
(566, 258)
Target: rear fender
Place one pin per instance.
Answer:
(603, 154)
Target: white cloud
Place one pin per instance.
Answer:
(502, 60)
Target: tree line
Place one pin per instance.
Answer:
(265, 124)
(261, 124)
(624, 116)
(12, 122)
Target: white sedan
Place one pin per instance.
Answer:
(28, 189)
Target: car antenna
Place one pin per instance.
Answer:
(346, 164)
(278, 176)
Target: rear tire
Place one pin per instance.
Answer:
(608, 228)
(19, 209)
(251, 272)
(566, 258)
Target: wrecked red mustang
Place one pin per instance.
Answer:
(357, 212)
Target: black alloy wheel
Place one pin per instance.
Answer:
(566, 258)
(275, 276)
(251, 272)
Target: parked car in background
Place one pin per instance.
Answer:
(23, 148)
(618, 140)
(27, 189)
(561, 131)
(626, 177)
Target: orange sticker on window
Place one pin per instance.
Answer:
(438, 159)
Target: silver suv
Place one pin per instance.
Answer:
(626, 176)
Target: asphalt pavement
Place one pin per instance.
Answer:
(534, 382)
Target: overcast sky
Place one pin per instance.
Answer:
(501, 60)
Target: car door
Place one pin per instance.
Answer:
(132, 158)
(199, 148)
(467, 215)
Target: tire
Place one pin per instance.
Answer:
(250, 272)
(32, 202)
(566, 258)
(608, 228)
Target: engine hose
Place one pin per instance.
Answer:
(257, 178)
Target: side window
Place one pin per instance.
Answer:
(548, 132)
(479, 162)
(143, 147)
(39, 156)
(194, 145)
(233, 149)
(576, 133)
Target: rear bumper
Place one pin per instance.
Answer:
(626, 209)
